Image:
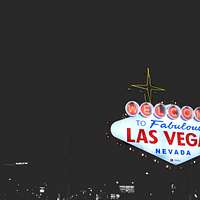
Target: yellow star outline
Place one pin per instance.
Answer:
(148, 87)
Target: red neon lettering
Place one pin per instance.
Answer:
(173, 112)
(186, 112)
(160, 110)
(151, 134)
(129, 136)
(197, 113)
(180, 138)
(169, 139)
(146, 109)
(142, 136)
(132, 108)
(194, 139)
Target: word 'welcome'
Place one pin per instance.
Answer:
(160, 110)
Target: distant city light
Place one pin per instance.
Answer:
(21, 163)
(42, 190)
(127, 188)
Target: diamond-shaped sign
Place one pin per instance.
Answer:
(175, 141)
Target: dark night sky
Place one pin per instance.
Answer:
(58, 91)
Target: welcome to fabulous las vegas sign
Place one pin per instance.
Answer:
(165, 131)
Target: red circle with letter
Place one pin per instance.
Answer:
(159, 110)
(197, 113)
(146, 109)
(132, 108)
(187, 112)
(173, 111)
